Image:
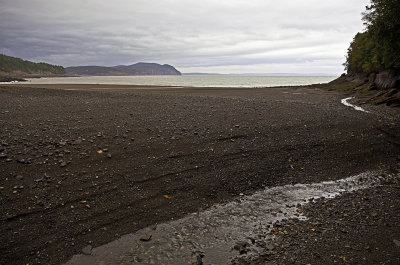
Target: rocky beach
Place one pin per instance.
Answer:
(83, 165)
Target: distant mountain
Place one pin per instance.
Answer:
(121, 70)
(12, 67)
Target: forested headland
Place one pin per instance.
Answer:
(373, 57)
(378, 48)
(12, 68)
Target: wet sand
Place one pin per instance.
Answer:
(84, 164)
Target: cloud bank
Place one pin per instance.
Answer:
(225, 36)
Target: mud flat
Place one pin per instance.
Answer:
(81, 166)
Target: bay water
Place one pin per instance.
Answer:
(189, 80)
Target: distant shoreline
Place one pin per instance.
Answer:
(188, 81)
(361, 90)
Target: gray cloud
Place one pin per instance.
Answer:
(212, 36)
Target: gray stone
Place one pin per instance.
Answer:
(87, 250)
(270, 246)
(242, 247)
(146, 237)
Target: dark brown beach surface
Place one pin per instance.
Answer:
(84, 164)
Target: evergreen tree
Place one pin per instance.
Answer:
(378, 48)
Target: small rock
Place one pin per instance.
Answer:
(146, 237)
(109, 155)
(270, 247)
(242, 247)
(19, 177)
(63, 164)
(3, 156)
(87, 250)
(199, 259)
(76, 142)
(372, 86)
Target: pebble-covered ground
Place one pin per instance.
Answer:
(243, 227)
(358, 228)
(83, 165)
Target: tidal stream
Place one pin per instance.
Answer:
(215, 236)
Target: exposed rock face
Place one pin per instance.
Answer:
(387, 80)
(121, 70)
(358, 77)
(373, 88)
(383, 80)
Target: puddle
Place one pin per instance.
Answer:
(210, 236)
(345, 102)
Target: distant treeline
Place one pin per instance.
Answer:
(378, 48)
(12, 65)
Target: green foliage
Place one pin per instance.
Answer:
(11, 64)
(362, 56)
(378, 48)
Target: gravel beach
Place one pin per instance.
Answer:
(357, 228)
(82, 165)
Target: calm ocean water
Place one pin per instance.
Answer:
(190, 80)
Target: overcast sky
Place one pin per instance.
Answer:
(215, 36)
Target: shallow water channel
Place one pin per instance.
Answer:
(213, 236)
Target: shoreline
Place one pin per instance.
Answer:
(191, 81)
(363, 91)
(199, 147)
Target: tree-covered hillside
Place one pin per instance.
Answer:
(378, 48)
(120, 70)
(18, 67)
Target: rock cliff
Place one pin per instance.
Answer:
(375, 88)
(383, 80)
